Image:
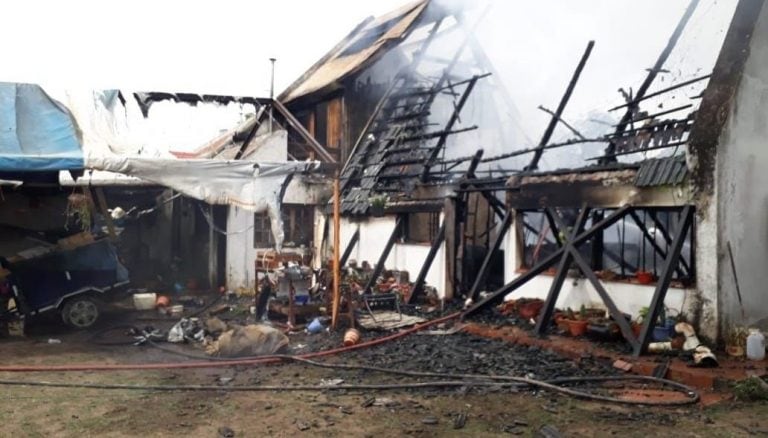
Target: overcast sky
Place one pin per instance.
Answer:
(218, 46)
(223, 46)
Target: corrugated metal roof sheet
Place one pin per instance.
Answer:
(662, 172)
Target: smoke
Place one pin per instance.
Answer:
(534, 47)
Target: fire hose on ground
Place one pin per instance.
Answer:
(459, 380)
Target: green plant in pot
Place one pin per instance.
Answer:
(663, 328)
(377, 204)
(576, 322)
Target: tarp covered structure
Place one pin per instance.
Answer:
(36, 132)
(101, 131)
(248, 185)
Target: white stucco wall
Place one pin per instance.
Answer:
(629, 298)
(308, 190)
(742, 185)
(374, 233)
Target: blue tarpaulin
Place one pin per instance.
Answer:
(36, 133)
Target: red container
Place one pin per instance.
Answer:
(644, 277)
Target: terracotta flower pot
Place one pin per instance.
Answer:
(531, 309)
(644, 277)
(577, 327)
(636, 329)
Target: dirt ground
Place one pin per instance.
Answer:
(67, 412)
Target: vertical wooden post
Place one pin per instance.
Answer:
(449, 219)
(105, 212)
(336, 252)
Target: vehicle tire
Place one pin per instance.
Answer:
(80, 312)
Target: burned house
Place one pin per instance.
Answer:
(397, 101)
(661, 219)
(631, 222)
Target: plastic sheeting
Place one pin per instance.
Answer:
(248, 185)
(36, 133)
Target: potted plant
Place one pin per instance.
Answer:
(644, 277)
(377, 204)
(735, 341)
(663, 329)
(577, 323)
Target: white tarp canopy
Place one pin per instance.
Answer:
(250, 185)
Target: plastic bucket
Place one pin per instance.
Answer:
(144, 301)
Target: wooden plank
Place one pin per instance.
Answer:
(333, 130)
(449, 218)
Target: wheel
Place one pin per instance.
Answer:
(80, 312)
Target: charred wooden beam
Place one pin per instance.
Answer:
(647, 235)
(639, 151)
(430, 135)
(418, 285)
(296, 125)
(546, 263)
(562, 272)
(616, 314)
(637, 100)
(662, 228)
(666, 277)
(659, 114)
(482, 275)
(251, 132)
(561, 120)
(449, 126)
(383, 257)
(350, 246)
(610, 151)
(534, 164)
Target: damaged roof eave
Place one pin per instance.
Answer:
(603, 191)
